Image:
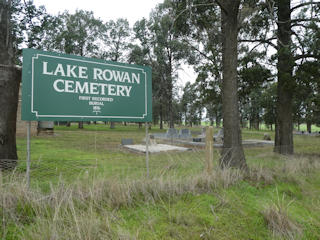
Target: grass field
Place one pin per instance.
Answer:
(84, 185)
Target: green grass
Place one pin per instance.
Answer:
(85, 186)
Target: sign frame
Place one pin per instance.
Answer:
(42, 107)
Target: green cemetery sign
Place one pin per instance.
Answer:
(64, 87)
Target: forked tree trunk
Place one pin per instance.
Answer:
(284, 121)
(232, 152)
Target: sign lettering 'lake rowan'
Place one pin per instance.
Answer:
(65, 87)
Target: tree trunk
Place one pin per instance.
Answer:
(9, 94)
(9, 90)
(232, 152)
(309, 126)
(112, 125)
(80, 125)
(161, 116)
(284, 121)
(218, 122)
(170, 103)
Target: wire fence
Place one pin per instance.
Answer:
(70, 154)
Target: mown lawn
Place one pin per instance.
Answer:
(84, 185)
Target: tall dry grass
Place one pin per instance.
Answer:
(88, 209)
(278, 220)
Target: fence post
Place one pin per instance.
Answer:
(209, 149)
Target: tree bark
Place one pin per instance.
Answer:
(170, 98)
(232, 152)
(10, 78)
(284, 120)
(161, 116)
(80, 125)
(309, 124)
(9, 93)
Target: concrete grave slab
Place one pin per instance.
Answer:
(155, 148)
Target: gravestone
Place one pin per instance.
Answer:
(172, 133)
(266, 136)
(45, 127)
(152, 140)
(201, 137)
(185, 133)
(219, 136)
(197, 139)
(126, 141)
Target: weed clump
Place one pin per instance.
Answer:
(277, 218)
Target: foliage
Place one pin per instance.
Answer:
(117, 40)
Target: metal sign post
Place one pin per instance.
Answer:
(147, 149)
(28, 153)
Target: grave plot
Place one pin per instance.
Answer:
(155, 148)
(185, 138)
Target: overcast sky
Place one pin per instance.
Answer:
(132, 10)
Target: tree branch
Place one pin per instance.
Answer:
(261, 41)
(300, 42)
(301, 25)
(197, 50)
(222, 6)
(306, 56)
(305, 20)
(304, 4)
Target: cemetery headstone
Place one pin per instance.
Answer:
(219, 136)
(172, 133)
(126, 141)
(266, 136)
(185, 133)
(45, 127)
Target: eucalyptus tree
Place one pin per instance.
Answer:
(77, 33)
(282, 25)
(117, 39)
(142, 53)
(213, 27)
(28, 23)
(253, 79)
(306, 98)
(191, 105)
(9, 87)
(168, 50)
(268, 102)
